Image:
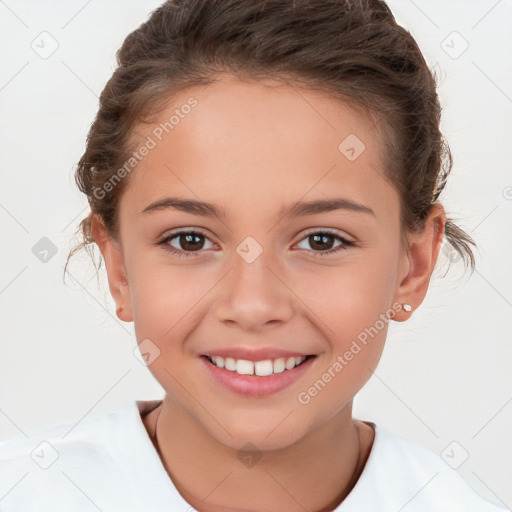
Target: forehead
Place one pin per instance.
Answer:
(258, 143)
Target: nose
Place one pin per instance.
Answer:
(254, 297)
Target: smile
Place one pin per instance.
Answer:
(259, 368)
(256, 379)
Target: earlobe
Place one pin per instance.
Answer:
(116, 272)
(422, 257)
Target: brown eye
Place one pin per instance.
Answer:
(182, 243)
(321, 242)
(190, 242)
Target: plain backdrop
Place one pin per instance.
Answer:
(445, 377)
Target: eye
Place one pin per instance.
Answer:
(188, 242)
(322, 240)
(191, 241)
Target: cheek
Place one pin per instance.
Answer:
(353, 352)
(353, 304)
(163, 300)
(167, 305)
(161, 296)
(350, 297)
(156, 311)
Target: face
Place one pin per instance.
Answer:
(260, 275)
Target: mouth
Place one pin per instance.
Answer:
(262, 368)
(256, 379)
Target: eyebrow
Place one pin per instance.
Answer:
(298, 209)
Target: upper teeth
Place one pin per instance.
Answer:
(260, 368)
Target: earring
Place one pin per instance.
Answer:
(406, 307)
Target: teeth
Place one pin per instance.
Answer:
(290, 363)
(260, 368)
(230, 364)
(218, 361)
(244, 367)
(279, 365)
(263, 368)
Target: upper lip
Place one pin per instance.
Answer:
(254, 354)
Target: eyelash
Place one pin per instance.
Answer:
(165, 243)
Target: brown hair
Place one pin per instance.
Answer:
(351, 49)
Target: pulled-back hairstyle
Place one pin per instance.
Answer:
(352, 50)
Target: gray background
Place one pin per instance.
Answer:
(444, 380)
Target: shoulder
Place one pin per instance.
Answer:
(46, 445)
(70, 460)
(402, 474)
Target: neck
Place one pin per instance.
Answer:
(314, 473)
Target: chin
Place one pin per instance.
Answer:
(262, 433)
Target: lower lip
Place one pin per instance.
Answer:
(254, 385)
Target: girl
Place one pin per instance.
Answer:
(263, 180)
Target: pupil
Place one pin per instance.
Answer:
(189, 241)
(323, 240)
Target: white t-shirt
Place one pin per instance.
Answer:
(107, 462)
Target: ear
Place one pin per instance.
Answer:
(116, 272)
(420, 261)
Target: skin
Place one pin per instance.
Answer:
(253, 148)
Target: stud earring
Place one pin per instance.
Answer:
(406, 307)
